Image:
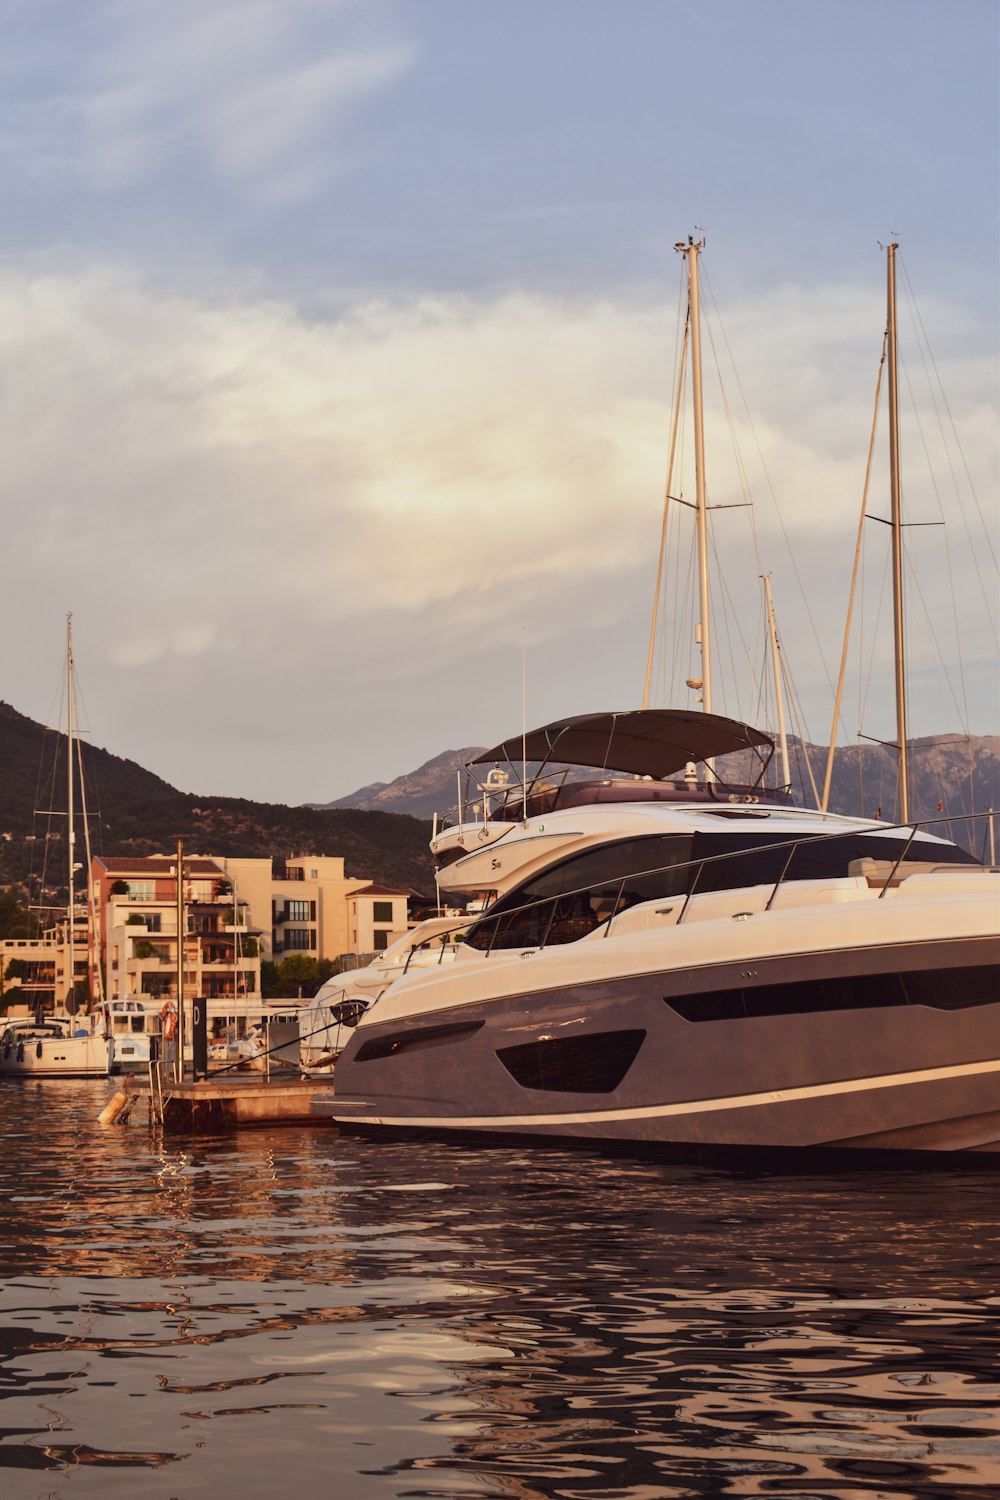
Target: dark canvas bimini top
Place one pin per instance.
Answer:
(645, 742)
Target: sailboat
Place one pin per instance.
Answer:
(67, 1042)
(673, 956)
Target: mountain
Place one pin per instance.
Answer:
(963, 774)
(428, 790)
(134, 812)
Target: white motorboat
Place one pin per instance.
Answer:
(131, 1024)
(327, 1021)
(664, 967)
(232, 1048)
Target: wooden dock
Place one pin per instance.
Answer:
(210, 1104)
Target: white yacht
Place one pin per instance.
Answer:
(695, 965)
(56, 1046)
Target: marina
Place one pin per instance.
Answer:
(451, 1049)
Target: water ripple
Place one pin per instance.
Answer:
(296, 1308)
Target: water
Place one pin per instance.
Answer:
(297, 1311)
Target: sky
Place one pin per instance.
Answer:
(337, 357)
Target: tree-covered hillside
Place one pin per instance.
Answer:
(132, 811)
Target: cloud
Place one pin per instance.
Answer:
(255, 92)
(357, 516)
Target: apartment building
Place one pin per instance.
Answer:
(319, 911)
(238, 912)
(134, 910)
(35, 971)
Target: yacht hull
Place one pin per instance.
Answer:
(63, 1057)
(891, 1047)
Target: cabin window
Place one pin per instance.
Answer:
(937, 989)
(754, 858)
(592, 1064)
(588, 888)
(585, 889)
(417, 1040)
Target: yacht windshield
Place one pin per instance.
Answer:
(574, 897)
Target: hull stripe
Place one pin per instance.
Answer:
(662, 1111)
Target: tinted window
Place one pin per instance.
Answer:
(417, 1040)
(574, 897)
(594, 1064)
(579, 894)
(759, 859)
(939, 989)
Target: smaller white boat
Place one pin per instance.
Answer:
(131, 1024)
(57, 1046)
(232, 1048)
(327, 1021)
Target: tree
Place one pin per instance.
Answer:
(297, 974)
(15, 919)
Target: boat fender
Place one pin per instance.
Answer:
(168, 1019)
(38, 1049)
(20, 1052)
(112, 1109)
(6, 1051)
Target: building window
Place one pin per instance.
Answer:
(141, 890)
(382, 911)
(297, 937)
(380, 940)
(298, 911)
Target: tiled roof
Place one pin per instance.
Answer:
(379, 890)
(157, 865)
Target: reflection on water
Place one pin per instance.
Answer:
(293, 1309)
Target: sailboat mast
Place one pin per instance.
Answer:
(70, 820)
(897, 539)
(703, 629)
(779, 695)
